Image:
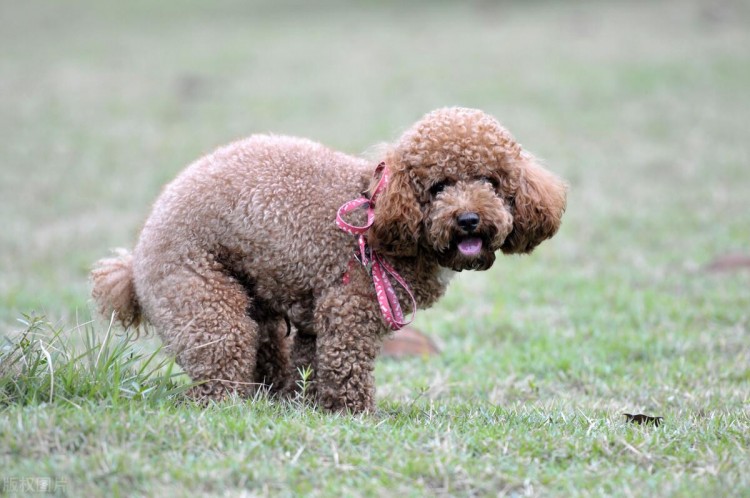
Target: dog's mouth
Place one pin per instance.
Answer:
(468, 252)
(470, 246)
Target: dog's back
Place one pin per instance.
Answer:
(263, 207)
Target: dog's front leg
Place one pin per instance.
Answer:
(350, 333)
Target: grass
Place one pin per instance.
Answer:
(641, 106)
(41, 366)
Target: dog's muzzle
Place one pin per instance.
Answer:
(469, 245)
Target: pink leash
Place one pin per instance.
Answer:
(376, 265)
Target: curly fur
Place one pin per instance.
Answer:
(113, 289)
(243, 242)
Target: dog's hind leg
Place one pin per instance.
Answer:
(272, 361)
(303, 361)
(201, 314)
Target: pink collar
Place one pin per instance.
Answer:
(376, 265)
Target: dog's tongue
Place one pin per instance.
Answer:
(470, 246)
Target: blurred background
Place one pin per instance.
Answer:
(640, 304)
(642, 106)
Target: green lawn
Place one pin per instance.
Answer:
(642, 106)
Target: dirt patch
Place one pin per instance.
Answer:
(729, 263)
(409, 342)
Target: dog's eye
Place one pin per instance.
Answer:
(494, 183)
(437, 188)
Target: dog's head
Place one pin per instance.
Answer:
(460, 189)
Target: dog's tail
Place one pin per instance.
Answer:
(113, 289)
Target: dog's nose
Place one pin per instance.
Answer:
(468, 221)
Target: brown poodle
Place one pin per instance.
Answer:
(246, 242)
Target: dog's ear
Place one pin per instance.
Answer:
(398, 217)
(538, 206)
